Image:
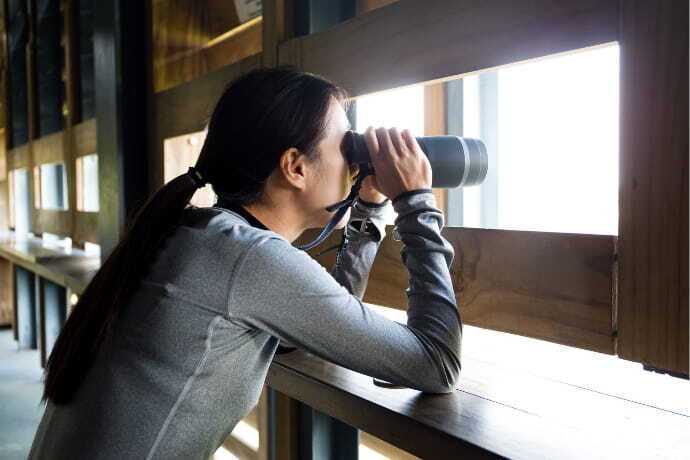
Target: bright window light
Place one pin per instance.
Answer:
(401, 108)
(92, 249)
(53, 188)
(20, 195)
(87, 180)
(223, 454)
(246, 434)
(365, 453)
(552, 136)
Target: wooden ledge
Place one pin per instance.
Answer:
(495, 411)
(72, 269)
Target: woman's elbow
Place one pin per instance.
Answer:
(448, 380)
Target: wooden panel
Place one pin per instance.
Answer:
(18, 158)
(277, 27)
(364, 6)
(435, 125)
(383, 448)
(6, 289)
(410, 42)
(85, 227)
(550, 286)
(51, 221)
(4, 205)
(49, 149)
(239, 449)
(192, 38)
(186, 108)
(263, 415)
(85, 137)
(653, 230)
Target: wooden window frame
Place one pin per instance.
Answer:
(595, 301)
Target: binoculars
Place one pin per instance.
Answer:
(455, 161)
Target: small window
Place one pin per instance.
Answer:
(37, 187)
(180, 153)
(20, 202)
(87, 183)
(401, 108)
(551, 131)
(53, 180)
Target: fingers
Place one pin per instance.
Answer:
(372, 145)
(410, 141)
(386, 146)
(400, 144)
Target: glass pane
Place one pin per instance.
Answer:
(194, 37)
(551, 130)
(20, 195)
(88, 177)
(53, 186)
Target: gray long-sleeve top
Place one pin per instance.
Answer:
(192, 348)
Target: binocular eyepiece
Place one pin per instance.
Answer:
(455, 161)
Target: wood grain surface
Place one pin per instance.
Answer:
(551, 286)
(653, 241)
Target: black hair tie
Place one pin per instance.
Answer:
(194, 173)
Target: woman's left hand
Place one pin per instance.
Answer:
(370, 192)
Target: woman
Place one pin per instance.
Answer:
(169, 346)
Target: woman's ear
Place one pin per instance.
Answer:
(294, 165)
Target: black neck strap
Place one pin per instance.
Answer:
(340, 209)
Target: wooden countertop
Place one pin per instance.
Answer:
(71, 268)
(502, 408)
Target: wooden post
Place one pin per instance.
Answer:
(653, 221)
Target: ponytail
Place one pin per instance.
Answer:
(89, 325)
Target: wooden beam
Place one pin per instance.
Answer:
(6, 290)
(239, 449)
(19, 157)
(85, 137)
(435, 125)
(85, 227)
(49, 149)
(410, 42)
(653, 229)
(277, 27)
(71, 109)
(550, 286)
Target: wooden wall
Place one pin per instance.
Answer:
(560, 287)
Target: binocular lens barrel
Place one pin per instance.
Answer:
(455, 161)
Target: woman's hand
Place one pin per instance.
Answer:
(400, 163)
(370, 192)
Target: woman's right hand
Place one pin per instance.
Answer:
(400, 163)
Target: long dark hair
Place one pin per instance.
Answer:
(259, 116)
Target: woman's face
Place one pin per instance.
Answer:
(333, 177)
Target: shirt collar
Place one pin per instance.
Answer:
(235, 207)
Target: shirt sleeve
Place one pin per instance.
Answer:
(282, 290)
(356, 256)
